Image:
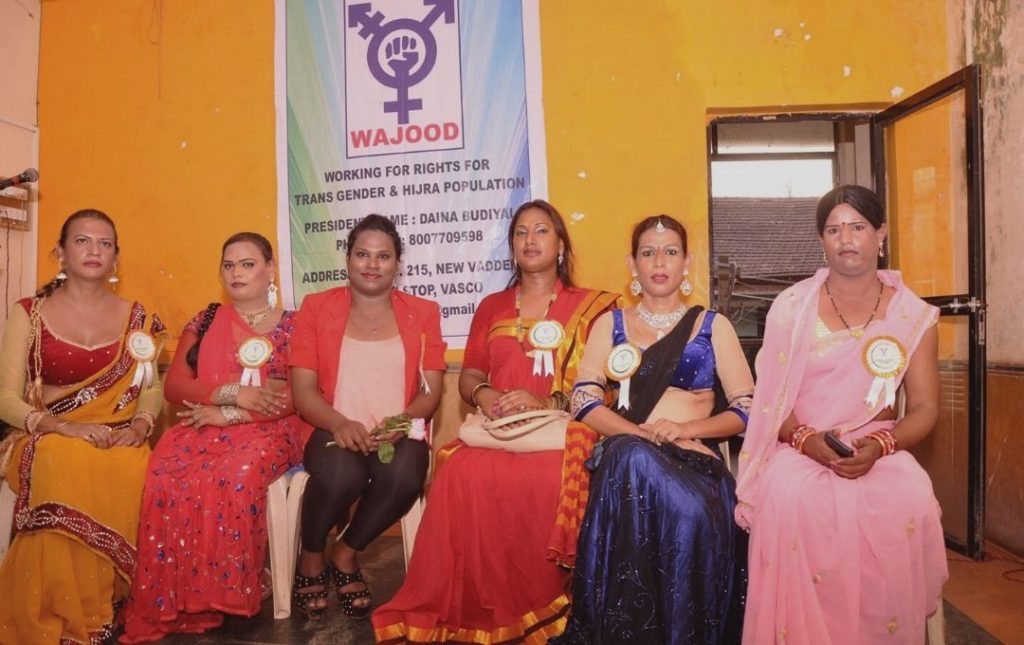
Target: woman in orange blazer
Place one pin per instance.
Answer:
(362, 355)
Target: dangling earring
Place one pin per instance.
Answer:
(881, 251)
(272, 295)
(686, 288)
(113, 279)
(560, 258)
(824, 256)
(635, 288)
(62, 275)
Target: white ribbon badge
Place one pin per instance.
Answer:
(545, 336)
(623, 362)
(142, 348)
(253, 354)
(884, 358)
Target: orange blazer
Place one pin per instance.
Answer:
(320, 328)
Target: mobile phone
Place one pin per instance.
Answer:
(836, 444)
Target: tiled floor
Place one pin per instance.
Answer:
(982, 607)
(991, 592)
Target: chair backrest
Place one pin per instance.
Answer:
(7, 498)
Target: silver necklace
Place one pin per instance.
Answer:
(659, 322)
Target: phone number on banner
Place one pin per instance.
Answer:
(447, 237)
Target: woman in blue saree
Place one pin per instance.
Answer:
(659, 558)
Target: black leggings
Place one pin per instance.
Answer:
(338, 477)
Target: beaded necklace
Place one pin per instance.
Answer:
(856, 333)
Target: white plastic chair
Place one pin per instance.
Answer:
(7, 498)
(284, 503)
(936, 626)
(411, 524)
(284, 528)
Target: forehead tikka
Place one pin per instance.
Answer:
(660, 228)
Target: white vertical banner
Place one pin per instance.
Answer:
(425, 111)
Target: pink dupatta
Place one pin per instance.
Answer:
(838, 398)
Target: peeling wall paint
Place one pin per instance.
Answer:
(998, 46)
(994, 36)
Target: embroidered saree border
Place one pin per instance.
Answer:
(535, 628)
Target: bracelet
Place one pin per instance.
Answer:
(148, 419)
(479, 386)
(32, 420)
(560, 401)
(232, 414)
(800, 436)
(227, 394)
(886, 439)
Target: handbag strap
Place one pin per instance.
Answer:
(534, 419)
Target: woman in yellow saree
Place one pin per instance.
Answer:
(78, 388)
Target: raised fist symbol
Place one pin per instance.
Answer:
(401, 54)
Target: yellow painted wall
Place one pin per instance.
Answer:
(628, 85)
(165, 120)
(165, 117)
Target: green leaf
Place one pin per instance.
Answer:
(385, 452)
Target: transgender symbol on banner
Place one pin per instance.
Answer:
(402, 53)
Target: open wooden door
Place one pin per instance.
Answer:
(928, 171)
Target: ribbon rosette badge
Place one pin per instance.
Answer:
(623, 362)
(545, 336)
(884, 357)
(253, 354)
(142, 348)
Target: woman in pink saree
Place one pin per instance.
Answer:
(842, 550)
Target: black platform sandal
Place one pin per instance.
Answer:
(303, 599)
(348, 598)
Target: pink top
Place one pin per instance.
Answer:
(370, 385)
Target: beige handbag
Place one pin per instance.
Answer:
(542, 430)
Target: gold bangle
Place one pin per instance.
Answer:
(227, 394)
(472, 396)
(559, 401)
(148, 418)
(232, 414)
(32, 420)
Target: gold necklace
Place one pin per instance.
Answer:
(253, 318)
(856, 333)
(519, 312)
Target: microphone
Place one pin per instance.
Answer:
(26, 177)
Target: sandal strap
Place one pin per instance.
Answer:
(300, 582)
(349, 596)
(309, 581)
(341, 578)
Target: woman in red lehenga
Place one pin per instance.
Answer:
(203, 529)
(479, 571)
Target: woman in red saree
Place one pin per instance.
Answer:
(203, 527)
(479, 572)
(842, 550)
(79, 456)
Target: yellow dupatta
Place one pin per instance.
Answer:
(63, 483)
(76, 512)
